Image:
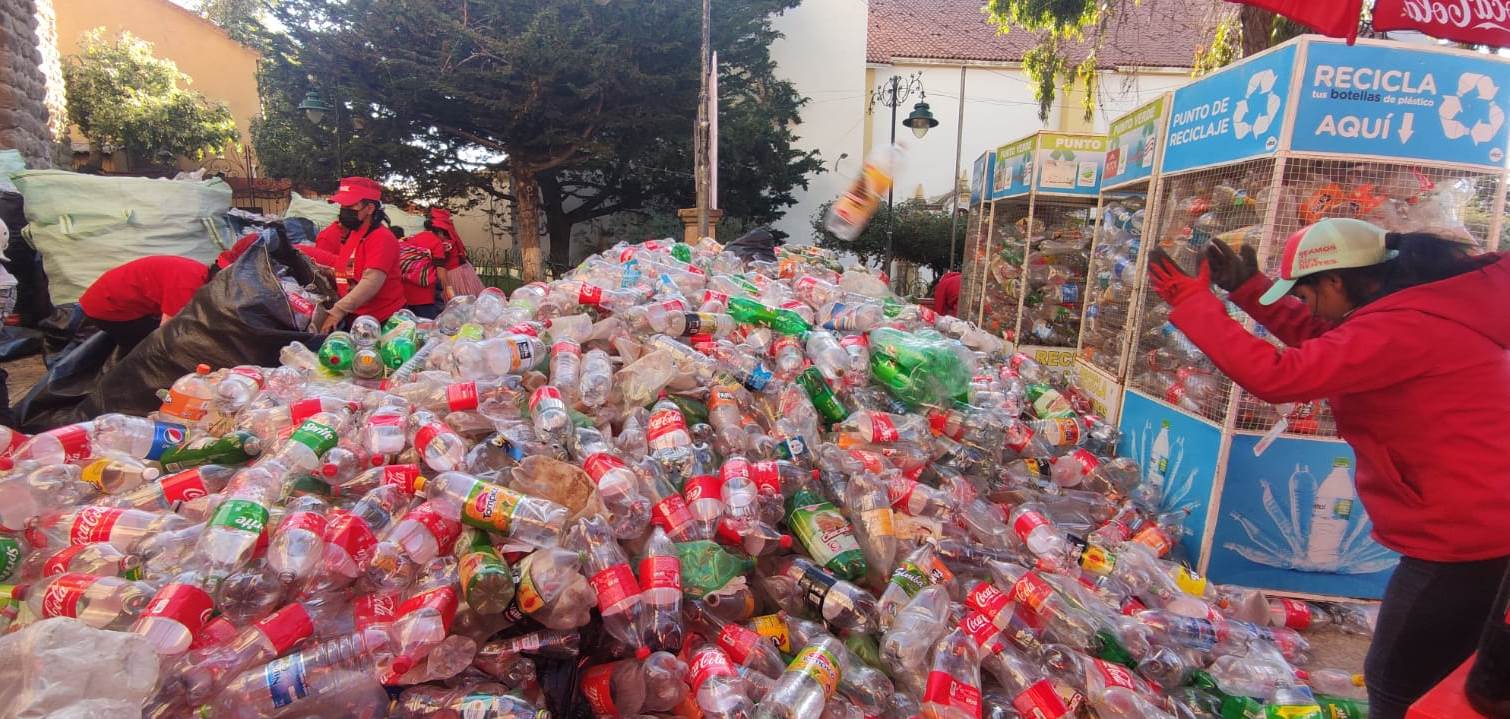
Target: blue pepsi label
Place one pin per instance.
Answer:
(165, 435)
(285, 680)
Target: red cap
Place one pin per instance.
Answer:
(225, 259)
(642, 653)
(355, 189)
(329, 469)
(441, 217)
(785, 542)
(286, 627)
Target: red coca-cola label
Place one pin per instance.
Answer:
(1132, 606)
(299, 303)
(600, 464)
(351, 533)
(706, 486)
(461, 397)
(671, 514)
(926, 314)
(427, 434)
(1116, 675)
(664, 422)
(401, 476)
(715, 296)
(1040, 701)
(707, 664)
(737, 641)
(882, 429)
(307, 521)
(93, 524)
(735, 467)
(988, 600)
(1088, 462)
(983, 631)
(58, 563)
(252, 373)
(183, 487)
(944, 689)
(1032, 591)
(544, 393)
(614, 585)
(374, 609)
(183, 603)
(285, 627)
(74, 440)
(62, 596)
(443, 600)
(1027, 522)
(1297, 614)
(305, 408)
(444, 529)
(899, 492)
(661, 572)
(597, 687)
(590, 295)
(216, 632)
(767, 476)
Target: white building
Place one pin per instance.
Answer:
(837, 53)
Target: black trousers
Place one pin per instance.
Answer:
(129, 334)
(1429, 623)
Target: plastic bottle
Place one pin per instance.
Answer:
(298, 543)
(187, 402)
(176, 613)
(806, 685)
(33, 488)
(125, 529)
(953, 689)
(849, 214)
(660, 579)
(441, 448)
(1330, 511)
(102, 602)
(548, 411)
(619, 599)
(135, 436)
(531, 520)
(201, 673)
(315, 681)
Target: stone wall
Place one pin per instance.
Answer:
(31, 80)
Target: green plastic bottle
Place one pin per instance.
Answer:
(1340, 708)
(399, 344)
(825, 533)
(337, 352)
(231, 448)
(828, 404)
(752, 312)
(682, 251)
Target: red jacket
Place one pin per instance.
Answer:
(352, 253)
(154, 286)
(1419, 382)
(436, 248)
(946, 294)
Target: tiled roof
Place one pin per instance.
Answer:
(1153, 33)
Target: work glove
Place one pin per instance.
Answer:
(1229, 270)
(1171, 283)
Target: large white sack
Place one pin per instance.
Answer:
(64, 667)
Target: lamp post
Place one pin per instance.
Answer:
(892, 93)
(314, 108)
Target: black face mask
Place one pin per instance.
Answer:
(348, 218)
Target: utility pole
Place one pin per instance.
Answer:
(959, 137)
(700, 140)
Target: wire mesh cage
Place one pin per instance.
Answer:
(1112, 281)
(975, 227)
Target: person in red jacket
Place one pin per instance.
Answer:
(1406, 335)
(946, 294)
(363, 254)
(421, 299)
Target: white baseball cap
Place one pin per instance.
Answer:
(1334, 243)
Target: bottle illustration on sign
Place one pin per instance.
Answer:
(1167, 483)
(1321, 527)
(1158, 458)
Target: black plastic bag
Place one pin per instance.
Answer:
(240, 317)
(54, 400)
(33, 301)
(18, 342)
(758, 244)
(63, 330)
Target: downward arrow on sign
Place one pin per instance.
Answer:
(1407, 124)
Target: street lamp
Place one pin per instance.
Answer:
(314, 108)
(892, 93)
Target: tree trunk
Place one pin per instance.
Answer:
(1258, 26)
(558, 225)
(527, 228)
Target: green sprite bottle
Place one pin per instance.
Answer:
(824, 399)
(337, 352)
(231, 448)
(399, 344)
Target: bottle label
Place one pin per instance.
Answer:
(706, 486)
(599, 465)
(767, 477)
(319, 438)
(882, 429)
(877, 522)
(910, 578)
(461, 397)
(988, 600)
(1027, 522)
(1155, 539)
(401, 476)
(351, 533)
(1061, 432)
(58, 563)
(982, 631)
(1040, 701)
(477, 564)
(427, 434)
(1298, 614)
(308, 521)
(63, 595)
(667, 429)
(590, 295)
(773, 629)
(164, 435)
(1301, 711)
(1189, 582)
(1116, 675)
(819, 665)
(184, 405)
(547, 394)
(183, 487)
(1096, 560)
(706, 665)
(1032, 591)
(823, 530)
(661, 572)
(597, 687)
(183, 603)
(217, 632)
(91, 524)
(94, 472)
(615, 585)
(284, 679)
(490, 506)
(374, 609)
(74, 439)
(303, 409)
(245, 515)
(10, 556)
(527, 595)
(285, 627)
(442, 600)
(671, 514)
(737, 641)
(945, 690)
(899, 490)
(444, 529)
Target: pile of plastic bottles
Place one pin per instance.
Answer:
(669, 483)
(1112, 282)
(1054, 275)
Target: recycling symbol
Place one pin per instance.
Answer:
(1266, 104)
(1471, 85)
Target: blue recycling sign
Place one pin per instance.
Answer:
(1401, 102)
(1230, 115)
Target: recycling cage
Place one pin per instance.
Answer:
(1407, 137)
(1036, 221)
(1118, 256)
(975, 228)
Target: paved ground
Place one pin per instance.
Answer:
(23, 374)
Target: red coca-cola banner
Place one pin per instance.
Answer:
(1337, 18)
(1485, 22)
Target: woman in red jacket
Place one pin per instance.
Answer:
(1406, 335)
(362, 252)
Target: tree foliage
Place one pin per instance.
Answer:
(120, 94)
(572, 109)
(241, 19)
(920, 235)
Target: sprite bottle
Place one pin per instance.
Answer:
(232, 448)
(824, 399)
(337, 352)
(399, 343)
